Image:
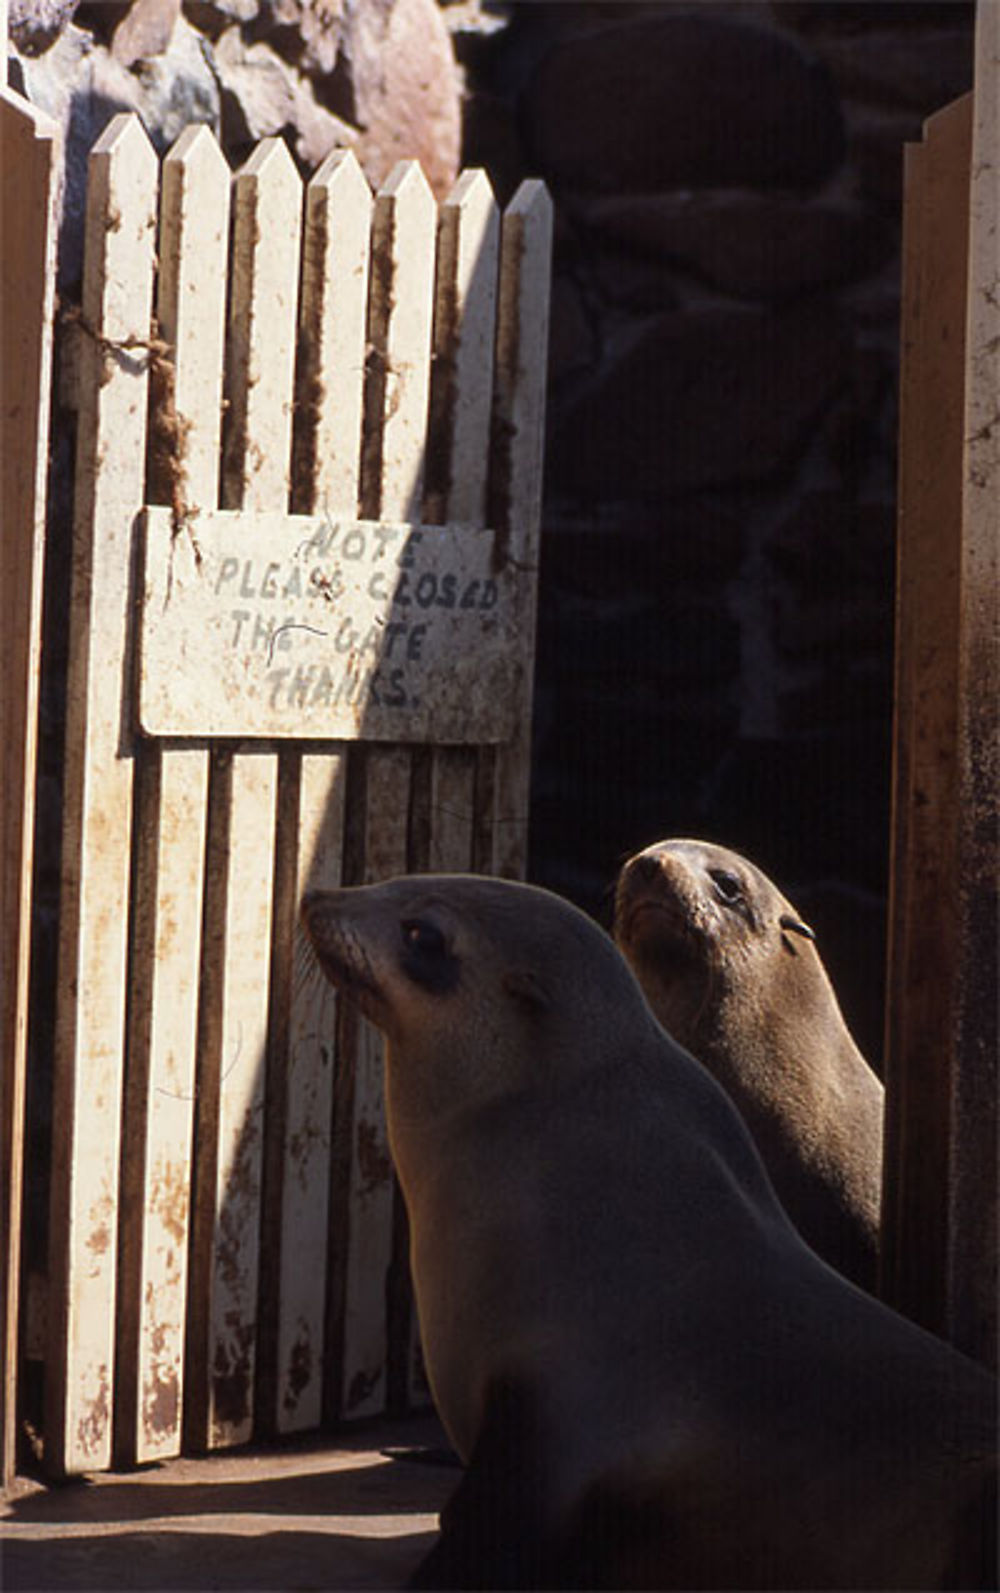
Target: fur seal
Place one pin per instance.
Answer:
(651, 1378)
(732, 973)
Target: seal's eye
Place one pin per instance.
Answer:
(427, 956)
(727, 886)
(423, 939)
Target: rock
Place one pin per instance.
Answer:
(212, 17)
(857, 16)
(875, 142)
(920, 70)
(699, 400)
(628, 280)
(82, 86)
(613, 555)
(101, 17)
(144, 30)
(61, 82)
(591, 645)
(812, 543)
(404, 88)
(750, 245)
(679, 101)
(572, 340)
(263, 96)
(311, 27)
(491, 139)
(176, 87)
(34, 25)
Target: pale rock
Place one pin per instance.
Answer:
(262, 96)
(404, 87)
(316, 26)
(145, 30)
(34, 25)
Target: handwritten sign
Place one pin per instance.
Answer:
(269, 625)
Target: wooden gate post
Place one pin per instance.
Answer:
(29, 160)
(940, 1191)
(972, 1212)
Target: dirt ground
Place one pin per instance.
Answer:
(344, 1512)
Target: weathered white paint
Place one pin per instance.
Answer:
(399, 333)
(335, 268)
(333, 329)
(94, 908)
(204, 1028)
(170, 840)
(256, 465)
(302, 628)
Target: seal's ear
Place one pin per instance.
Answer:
(787, 922)
(525, 985)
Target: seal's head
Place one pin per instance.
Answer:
(731, 972)
(701, 926)
(432, 959)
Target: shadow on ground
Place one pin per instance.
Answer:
(309, 1515)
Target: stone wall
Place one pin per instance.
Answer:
(716, 625)
(715, 628)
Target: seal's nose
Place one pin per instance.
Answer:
(645, 867)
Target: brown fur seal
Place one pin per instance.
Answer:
(730, 970)
(653, 1380)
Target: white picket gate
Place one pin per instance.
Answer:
(227, 1249)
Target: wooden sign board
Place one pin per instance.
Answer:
(272, 625)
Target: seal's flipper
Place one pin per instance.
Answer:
(496, 1531)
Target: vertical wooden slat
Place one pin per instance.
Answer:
(117, 293)
(921, 970)
(973, 1238)
(171, 806)
(393, 460)
(235, 979)
(441, 833)
(30, 142)
(516, 475)
(459, 433)
(332, 335)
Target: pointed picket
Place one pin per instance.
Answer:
(111, 439)
(516, 475)
(393, 462)
(172, 795)
(399, 332)
(242, 807)
(458, 436)
(260, 358)
(328, 451)
(464, 336)
(458, 448)
(335, 256)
